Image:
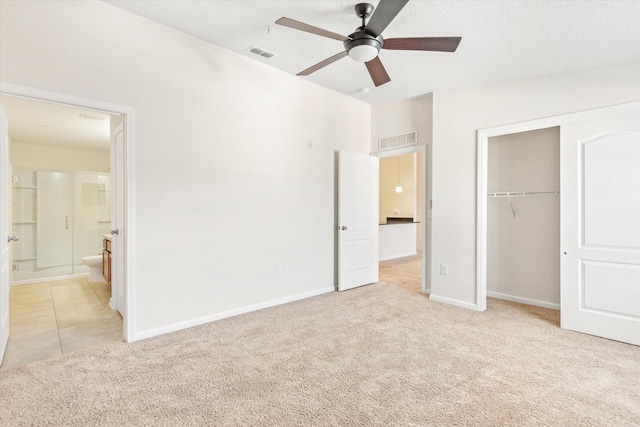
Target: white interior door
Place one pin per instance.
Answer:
(600, 227)
(54, 229)
(117, 219)
(5, 232)
(358, 197)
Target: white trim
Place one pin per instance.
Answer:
(230, 313)
(521, 300)
(451, 301)
(128, 116)
(422, 149)
(482, 176)
(48, 279)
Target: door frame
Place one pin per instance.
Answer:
(422, 150)
(127, 165)
(483, 136)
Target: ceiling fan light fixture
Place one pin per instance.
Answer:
(363, 53)
(363, 47)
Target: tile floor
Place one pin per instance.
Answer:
(53, 318)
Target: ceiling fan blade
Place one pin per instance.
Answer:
(383, 15)
(440, 44)
(378, 73)
(322, 64)
(297, 25)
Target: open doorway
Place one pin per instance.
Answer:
(66, 207)
(402, 234)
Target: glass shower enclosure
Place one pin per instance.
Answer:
(59, 217)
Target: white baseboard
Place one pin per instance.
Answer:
(226, 314)
(48, 279)
(522, 300)
(452, 301)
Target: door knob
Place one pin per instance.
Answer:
(116, 232)
(343, 228)
(12, 239)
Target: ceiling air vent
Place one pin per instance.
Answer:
(398, 141)
(261, 52)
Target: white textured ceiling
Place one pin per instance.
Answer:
(43, 123)
(501, 40)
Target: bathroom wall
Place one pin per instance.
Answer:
(29, 155)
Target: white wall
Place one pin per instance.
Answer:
(523, 253)
(225, 186)
(457, 115)
(45, 157)
(392, 118)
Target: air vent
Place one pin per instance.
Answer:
(397, 141)
(261, 52)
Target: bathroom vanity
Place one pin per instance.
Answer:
(106, 257)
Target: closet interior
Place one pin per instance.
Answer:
(523, 217)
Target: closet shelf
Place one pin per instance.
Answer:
(510, 194)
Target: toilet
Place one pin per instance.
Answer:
(95, 268)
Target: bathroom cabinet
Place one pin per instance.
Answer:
(106, 260)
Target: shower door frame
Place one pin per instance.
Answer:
(123, 162)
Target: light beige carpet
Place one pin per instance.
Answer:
(377, 355)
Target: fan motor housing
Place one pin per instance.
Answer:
(360, 38)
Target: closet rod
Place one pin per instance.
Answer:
(520, 193)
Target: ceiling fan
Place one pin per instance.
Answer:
(365, 43)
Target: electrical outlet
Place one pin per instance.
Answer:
(444, 269)
(278, 270)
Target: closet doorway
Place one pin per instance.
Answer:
(523, 217)
(599, 233)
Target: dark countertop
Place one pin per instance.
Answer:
(399, 220)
